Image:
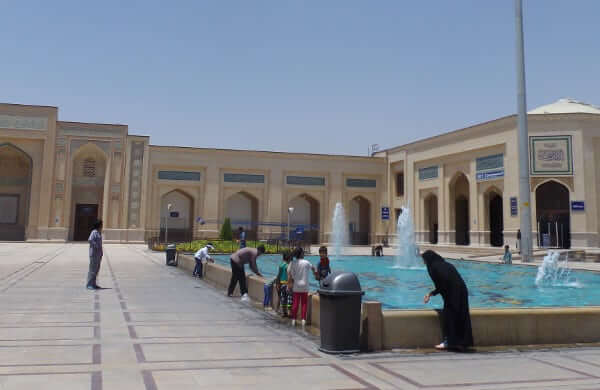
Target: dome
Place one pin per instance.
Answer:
(566, 106)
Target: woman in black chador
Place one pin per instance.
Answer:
(456, 321)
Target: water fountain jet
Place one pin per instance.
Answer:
(555, 272)
(407, 253)
(339, 230)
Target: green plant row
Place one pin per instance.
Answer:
(220, 246)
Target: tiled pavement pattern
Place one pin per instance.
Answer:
(157, 328)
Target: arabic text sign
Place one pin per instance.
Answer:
(551, 155)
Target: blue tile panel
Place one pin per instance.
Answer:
(179, 175)
(243, 178)
(362, 183)
(428, 173)
(306, 180)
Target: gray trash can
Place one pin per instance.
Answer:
(171, 254)
(340, 303)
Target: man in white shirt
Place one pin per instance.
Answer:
(201, 255)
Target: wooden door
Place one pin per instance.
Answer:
(85, 217)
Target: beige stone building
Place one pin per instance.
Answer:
(57, 177)
(464, 184)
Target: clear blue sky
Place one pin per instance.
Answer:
(304, 76)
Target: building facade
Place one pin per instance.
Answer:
(57, 177)
(463, 185)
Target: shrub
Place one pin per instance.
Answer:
(226, 232)
(224, 246)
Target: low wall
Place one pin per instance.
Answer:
(388, 329)
(220, 276)
(421, 328)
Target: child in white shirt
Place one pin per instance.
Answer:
(201, 255)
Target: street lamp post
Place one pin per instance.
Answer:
(167, 223)
(290, 212)
(523, 139)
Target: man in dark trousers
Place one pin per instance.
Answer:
(238, 274)
(456, 319)
(95, 253)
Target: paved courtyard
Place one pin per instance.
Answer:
(157, 328)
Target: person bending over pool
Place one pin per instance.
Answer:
(202, 254)
(456, 320)
(238, 274)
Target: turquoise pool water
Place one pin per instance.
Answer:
(490, 285)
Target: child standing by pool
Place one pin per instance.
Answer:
(507, 259)
(281, 282)
(298, 272)
(323, 268)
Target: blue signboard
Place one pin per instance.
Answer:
(578, 205)
(299, 230)
(174, 214)
(490, 175)
(514, 208)
(385, 213)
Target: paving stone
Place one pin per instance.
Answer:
(157, 328)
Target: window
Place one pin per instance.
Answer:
(89, 167)
(400, 184)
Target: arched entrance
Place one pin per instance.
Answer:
(459, 196)
(179, 219)
(306, 216)
(553, 215)
(496, 220)
(360, 221)
(431, 218)
(87, 193)
(15, 192)
(242, 209)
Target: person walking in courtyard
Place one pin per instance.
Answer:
(456, 319)
(238, 261)
(281, 283)
(519, 240)
(95, 254)
(299, 271)
(202, 254)
(507, 259)
(242, 238)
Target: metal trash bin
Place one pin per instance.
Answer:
(340, 304)
(171, 253)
